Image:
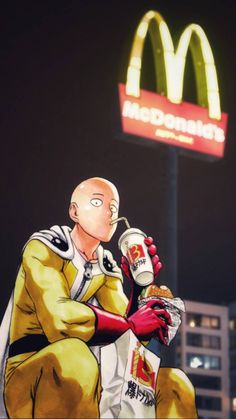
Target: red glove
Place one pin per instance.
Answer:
(146, 323)
(150, 322)
(152, 249)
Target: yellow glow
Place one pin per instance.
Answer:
(174, 62)
(166, 37)
(215, 105)
(211, 75)
(142, 29)
(136, 62)
(150, 14)
(184, 42)
(133, 80)
(192, 323)
(234, 404)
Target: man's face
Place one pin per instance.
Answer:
(97, 205)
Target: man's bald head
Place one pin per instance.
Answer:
(93, 185)
(94, 204)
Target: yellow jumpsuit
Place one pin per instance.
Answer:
(62, 379)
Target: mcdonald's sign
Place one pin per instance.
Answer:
(163, 116)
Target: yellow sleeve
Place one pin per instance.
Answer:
(111, 296)
(46, 284)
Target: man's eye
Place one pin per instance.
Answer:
(96, 202)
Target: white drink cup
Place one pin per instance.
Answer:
(132, 246)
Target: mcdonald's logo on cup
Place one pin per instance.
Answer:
(163, 116)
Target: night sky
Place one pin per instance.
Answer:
(61, 62)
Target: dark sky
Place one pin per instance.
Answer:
(61, 62)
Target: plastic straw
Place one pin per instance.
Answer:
(121, 219)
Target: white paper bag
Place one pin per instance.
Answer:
(128, 376)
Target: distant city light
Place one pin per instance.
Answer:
(195, 362)
(234, 404)
(232, 324)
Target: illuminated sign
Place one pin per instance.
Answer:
(163, 116)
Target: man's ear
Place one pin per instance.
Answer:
(73, 212)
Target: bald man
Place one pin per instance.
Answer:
(68, 299)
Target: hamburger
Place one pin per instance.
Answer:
(156, 292)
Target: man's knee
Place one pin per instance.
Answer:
(176, 377)
(175, 392)
(71, 358)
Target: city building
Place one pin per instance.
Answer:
(203, 353)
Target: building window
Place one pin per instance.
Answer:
(202, 320)
(203, 341)
(204, 381)
(208, 403)
(203, 361)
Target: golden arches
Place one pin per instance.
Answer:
(170, 65)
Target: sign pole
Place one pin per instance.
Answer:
(167, 242)
(169, 275)
(172, 211)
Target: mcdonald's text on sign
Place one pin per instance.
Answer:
(184, 125)
(163, 116)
